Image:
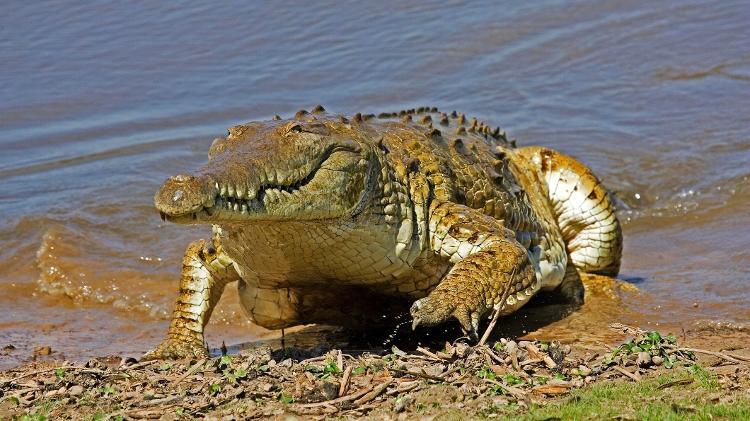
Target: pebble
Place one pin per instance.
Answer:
(75, 390)
(657, 360)
(643, 359)
(585, 371)
(402, 403)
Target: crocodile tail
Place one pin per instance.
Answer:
(583, 210)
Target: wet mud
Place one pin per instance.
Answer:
(101, 104)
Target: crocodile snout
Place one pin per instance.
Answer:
(184, 194)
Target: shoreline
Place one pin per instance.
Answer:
(507, 378)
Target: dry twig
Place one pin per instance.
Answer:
(496, 313)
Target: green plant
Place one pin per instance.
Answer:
(512, 380)
(541, 379)
(285, 399)
(705, 378)
(486, 373)
(225, 361)
(107, 390)
(655, 345)
(330, 368)
(234, 374)
(214, 388)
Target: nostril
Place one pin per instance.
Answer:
(178, 195)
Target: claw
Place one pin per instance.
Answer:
(475, 324)
(464, 318)
(415, 323)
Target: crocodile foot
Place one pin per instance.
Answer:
(176, 349)
(437, 308)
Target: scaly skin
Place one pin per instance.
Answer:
(328, 219)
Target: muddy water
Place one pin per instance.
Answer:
(100, 103)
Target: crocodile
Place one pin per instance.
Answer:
(348, 219)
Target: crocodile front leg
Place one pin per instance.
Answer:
(491, 269)
(205, 273)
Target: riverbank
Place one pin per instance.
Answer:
(650, 376)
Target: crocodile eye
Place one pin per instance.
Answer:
(295, 129)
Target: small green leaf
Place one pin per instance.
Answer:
(359, 370)
(214, 388)
(285, 399)
(312, 368)
(107, 390)
(331, 368)
(225, 361)
(165, 367)
(513, 380)
(60, 372)
(486, 373)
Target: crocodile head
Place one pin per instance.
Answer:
(297, 169)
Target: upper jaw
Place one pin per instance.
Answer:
(257, 187)
(245, 200)
(230, 203)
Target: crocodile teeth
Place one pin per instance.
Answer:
(223, 191)
(240, 191)
(231, 191)
(236, 207)
(244, 208)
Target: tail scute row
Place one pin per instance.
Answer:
(583, 210)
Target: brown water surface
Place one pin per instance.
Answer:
(100, 103)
